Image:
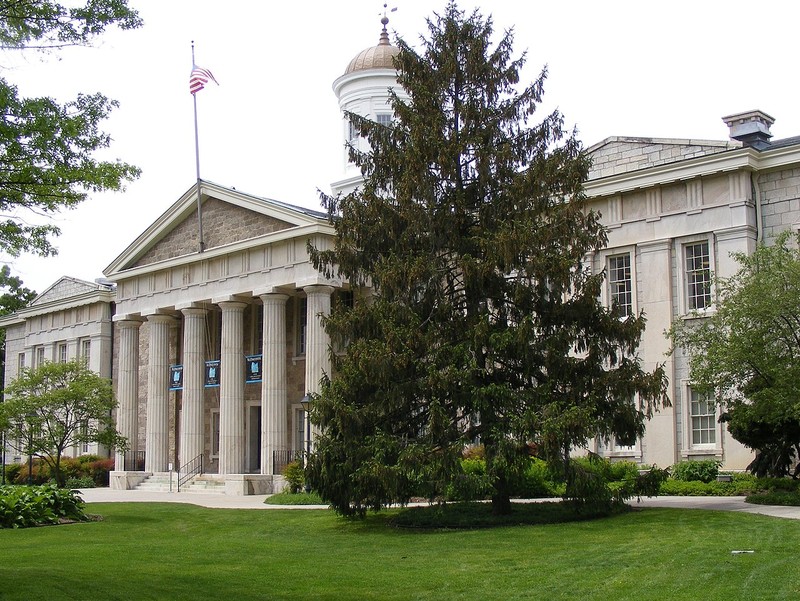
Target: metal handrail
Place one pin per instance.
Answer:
(190, 470)
(134, 461)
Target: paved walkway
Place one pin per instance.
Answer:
(106, 495)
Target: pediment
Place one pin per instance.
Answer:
(617, 155)
(229, 217)
(64, 287)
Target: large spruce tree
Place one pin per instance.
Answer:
(480, 322)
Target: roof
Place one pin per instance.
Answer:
(375, 57)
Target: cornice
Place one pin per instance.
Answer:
(746, 159)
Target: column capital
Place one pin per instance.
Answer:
(160, 318)
(273, 298)
(128, 322)
(232, 305)
(318, 289)
(187, 311)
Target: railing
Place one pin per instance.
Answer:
(280, 459)
(190, 470)
(134, 461)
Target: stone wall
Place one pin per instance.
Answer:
(223, 223)
(780, 201)
(619, 155)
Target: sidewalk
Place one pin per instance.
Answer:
(217, 501)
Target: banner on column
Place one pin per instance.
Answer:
(253, 373)
(176, 377)
(212, 374)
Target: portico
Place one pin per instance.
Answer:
(216, 349)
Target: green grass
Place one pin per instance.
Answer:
(298, 498)
(175, 552)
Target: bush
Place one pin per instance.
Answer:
(26, 506)
(538, 482)
(12, 472)
(775, 497)
(705, 470)
(81, 482)
(471, 484)
(295, 476)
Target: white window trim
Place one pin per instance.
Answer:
(683, 296)
(688, 448)
(605, 294)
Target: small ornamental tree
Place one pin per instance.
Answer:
(55, 406)
(481, 323)
(744, 356)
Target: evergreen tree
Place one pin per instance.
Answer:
(480, 322)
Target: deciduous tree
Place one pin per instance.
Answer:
(47, 147)
(746, 354)
(53, 407)
(481, 323)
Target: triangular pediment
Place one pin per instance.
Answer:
(229, 217)
(65, 287)
(617, 155)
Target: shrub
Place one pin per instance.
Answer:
(705, 470)
(26, 506)
(12, 472)
(538, 482)
(471, 484)
(80, 482)
(295, 476)
(98, 470)
(775, 497)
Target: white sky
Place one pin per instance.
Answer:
(272, 128)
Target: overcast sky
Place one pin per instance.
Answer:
(272, 127)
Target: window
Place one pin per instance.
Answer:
(86, 351)
(384, 119)
(21, 362)
(62, 352)
(39, 355)
(698, 276)
(620, 283)
(302, 325)
(352, 132)
(703, 418)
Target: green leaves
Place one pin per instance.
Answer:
(43, 24)
(746, 354)
(59, 405)
(47, 149)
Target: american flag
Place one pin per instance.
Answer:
(199, 78)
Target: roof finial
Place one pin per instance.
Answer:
(384, 39)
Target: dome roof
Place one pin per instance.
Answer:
(375, 57)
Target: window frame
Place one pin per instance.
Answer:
(683, 274)
(690, 448)
(603, 259)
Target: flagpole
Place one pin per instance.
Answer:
(197, 165)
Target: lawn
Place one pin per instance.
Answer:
(170, 551)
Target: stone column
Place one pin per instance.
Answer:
(273, 388)
(231, 395)
(157, 432)
(128, 388)
(192, 439)
(318, 359)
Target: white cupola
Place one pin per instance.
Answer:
(364, 89)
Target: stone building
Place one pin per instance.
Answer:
(212, 349)
(71, 319)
